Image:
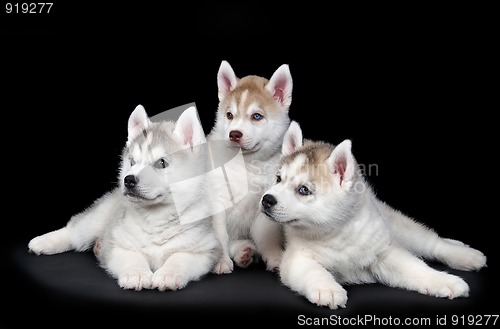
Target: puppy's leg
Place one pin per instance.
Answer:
(181, 268)
(243, 252)
(130, 268)
(398, 267)
(268, 237)
(426, 243)
(82, 229)
(225, 263)
(458, 255)
(311, 280)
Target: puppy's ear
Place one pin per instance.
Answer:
(342, 163)
(280, 86)
(189, 129)
(226, 79)
(292, 139)
(137, 122)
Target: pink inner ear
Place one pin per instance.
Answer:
(135, 123)
(136, 126)
(340, 167)
(188, 135)
(278, 95)
(227, 83)
(279, 89)
(290, 146)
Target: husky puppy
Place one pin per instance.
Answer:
(251, 120)
(337, 231)
(152, 230)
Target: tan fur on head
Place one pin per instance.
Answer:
(315, 155)
(249, 90)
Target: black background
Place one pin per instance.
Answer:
(412, 87)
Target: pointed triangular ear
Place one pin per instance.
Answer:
(292, 139)
(137, 122)
(280, 86)
(226, 79)
(342, 163)
(189, 129)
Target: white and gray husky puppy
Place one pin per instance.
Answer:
(152, 231)
(251, 120)
(337, 231)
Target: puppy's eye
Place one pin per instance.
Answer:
(303, 190)
(278, 179)
(257, 116)
(161, 164)
(132, 162)
(229, 116)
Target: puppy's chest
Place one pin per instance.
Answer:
(248, 188)
(356, 246)
(260, 174)
(342, 253)
(155, 239)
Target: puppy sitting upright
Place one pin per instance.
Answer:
(251, 121)
(337, 231)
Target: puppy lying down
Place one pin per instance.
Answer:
(338, 232)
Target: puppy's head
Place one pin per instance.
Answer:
(316, 183)
(253, 111)
(157, 154)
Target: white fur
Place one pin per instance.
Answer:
(341, 233)
(244, 232)
(140, 238)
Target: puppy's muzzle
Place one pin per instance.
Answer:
(268, 201)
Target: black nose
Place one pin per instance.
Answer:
(235, 135)
(268, 201)
(130, 181)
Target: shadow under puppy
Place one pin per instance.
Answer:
(153, 231)
(337, 231)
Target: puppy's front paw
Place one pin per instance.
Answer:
(329, 295)
(169, 280)
(135, 280)
(273, 261)
(447, 286)
(224, 266)
(245, 256)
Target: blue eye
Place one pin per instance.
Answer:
(132, 162)
(257, 116)
(304, 190)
